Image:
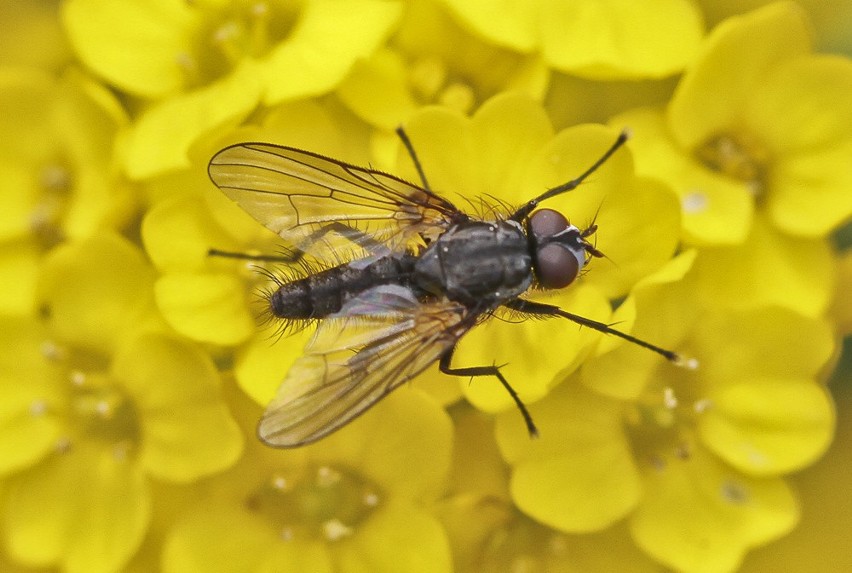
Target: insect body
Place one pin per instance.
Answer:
(431, 273)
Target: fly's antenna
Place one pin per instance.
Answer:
(410, 148)
(530, 206)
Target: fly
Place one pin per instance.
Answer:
(431, 273)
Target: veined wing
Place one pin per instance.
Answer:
(379, 340)
(305, 198)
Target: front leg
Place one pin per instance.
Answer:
(541, 309)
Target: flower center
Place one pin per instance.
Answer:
(96, 409)
(430, 81)
(242, 29)
(521, 545)
(661, 424)
(322, 501)
(739, 156)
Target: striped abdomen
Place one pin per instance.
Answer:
(324, 293)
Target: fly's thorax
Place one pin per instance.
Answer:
(560, 250)
(477, 262)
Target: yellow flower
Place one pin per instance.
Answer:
(97, 400)
(210, 63)
(432, 59)
(758, 123)
(755, 143)
(591, 38)
(353, 502)
(818, 543)
(489, 534)
(693, 459)
(57, 173)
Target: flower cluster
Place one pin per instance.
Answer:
(133, 368)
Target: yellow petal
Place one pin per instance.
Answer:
(800, 112)
(187, 431)
(639, 230)
(698, 515)
(506, 23)
(134, 44)
(619, 38)
(33, 36)
(579, 475)
(768, 426)
(160, 140)
(769, 268)
(19, 268)
(712, 95)
(209, 307)
(781, 344)
(397, 538)
(179, 232)
(262, 363)
(376, 90)
(31, 399)
(96, 292)
(99, 511)
(714, 208)
(310, 63)
(381, 444)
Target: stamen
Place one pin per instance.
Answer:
(77, 378)
(734, 492)
(226, 38)
(259, 14)
(701, 406)
(327, 477)
(38, 408)
(62, 445)
(458, 96)
(334, 530)
(189, 66)
(669, 399)
(280, 483)
(52, 351)
(684, 362)
(371, 499)
(426, 77)
(694, 202)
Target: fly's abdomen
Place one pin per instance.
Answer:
(324, 293)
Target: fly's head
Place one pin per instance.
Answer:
(560, 250)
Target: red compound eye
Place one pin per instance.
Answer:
(557, 266)
(545, 223)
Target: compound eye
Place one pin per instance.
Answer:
(557, 266)
(545, 223)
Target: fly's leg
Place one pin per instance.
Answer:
(541, 309)
(354, 235)
(444, 366)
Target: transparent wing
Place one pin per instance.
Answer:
(307, 198)
(379, 340)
